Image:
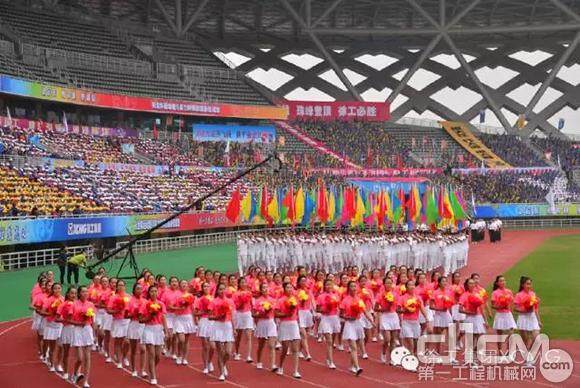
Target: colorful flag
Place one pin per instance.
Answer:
(458, 212)
(431, 212)
(264, 202)
(273, 209)
(331, 205)
(233, 208)
(299, 203)
(322, 203)
(289, 206)
(246, 206)
(359, 213)
(309, 206)
(447, 209)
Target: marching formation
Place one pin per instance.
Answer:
(281, 311)
(332, 251)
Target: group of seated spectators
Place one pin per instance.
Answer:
(566, 152)
(512, 150)
(21, 195)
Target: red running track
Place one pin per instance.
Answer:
(20, 367)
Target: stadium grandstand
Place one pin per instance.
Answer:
(116, 114)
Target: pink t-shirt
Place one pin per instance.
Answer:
(384, 303)
(35, 291)
(367, 296)
(275, 290)
(502, 297)
(264, 307)
(222, 308)
(135, 305)
(119, 303)
(202, 304)
(352, 307)
(105, 296)
(283, 306)
(328, 302)
(38, 301)
(425, 292)
(376, 285)
(185, 300)
(524, 301)
(51, 305)
(457, 290)
(471, 302)
(195, 285)
(95, 294)
(242, 300)
(443, 299)
(65, 312)
(153, 312)
(410, 305)
(167, 299)
(84, 312)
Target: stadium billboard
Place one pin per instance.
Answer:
(235, 133)
(20, 87)
(39, 230)
(339, 110)
(520, 210)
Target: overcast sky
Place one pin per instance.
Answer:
(458, 100)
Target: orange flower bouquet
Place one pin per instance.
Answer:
(389, 297)
(475, 300)
(154, 308)
(292, 302)
(411, 305)
(90, 313)
(303, 296)
(187, 299)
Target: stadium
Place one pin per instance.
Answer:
(293, 192)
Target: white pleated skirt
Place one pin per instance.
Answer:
(364, 321)
(37, 322)
(456, 315)
(169, 318)
(83, 336)
(243, 320)
(288, 331)
(389, 321)
(66, 335)
(528, 322)
(153, 335)
(222, 332)
(204, 328)
(442, 319)
(184, 324)
(266, 328)
(504, 321)
(429, 316)
(329, 324)
(107, 322)
(410, 328)
(353, 330)
(135, 330)
(305, 319)
(119, 328)
(99, 317)
(477, 324)
(52, 331)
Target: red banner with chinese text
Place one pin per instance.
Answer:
(339, 110)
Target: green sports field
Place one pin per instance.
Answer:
(555, 270)
(15, 286)
(554, 267)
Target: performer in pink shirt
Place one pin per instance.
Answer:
(83, 339)
(135, 331)
(64, 316)
(441, 303)
(153, 314)
(266, 330)
(222, 334)
(37, 301)
(502, 299)
(305, 314)
(327, 306)
(386, 305)
(183, 325)
(288, 332)
(202, 311)
(410, 305)
(527, 305)
(52, 327)
(243, 321)
(118, 307)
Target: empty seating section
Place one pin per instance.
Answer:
(57, 31)
(44, 29)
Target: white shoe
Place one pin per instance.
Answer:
(174, 356)
(280, 371)
(374, 339)
(331, 365)
(94, 347)
(319, 340)
(278, 345)
(226, 371)
(86, 385)
(52, 369)
(153, 381)
(184, 362)
(210, 367)
(365, 356)
(222, 378)
(383, 358)
(205, 371)
(237, 357)
(144, 374)
(119, 365)
(249, 360)
(297, 375)
(126, 362)
(340, 348)
(353, 370)
(178, 361)
(259, 366)
(108, 360)
(134, 374)
(65, 376)
(59, 369)
(300, 355)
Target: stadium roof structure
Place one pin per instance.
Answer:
(476, 33)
